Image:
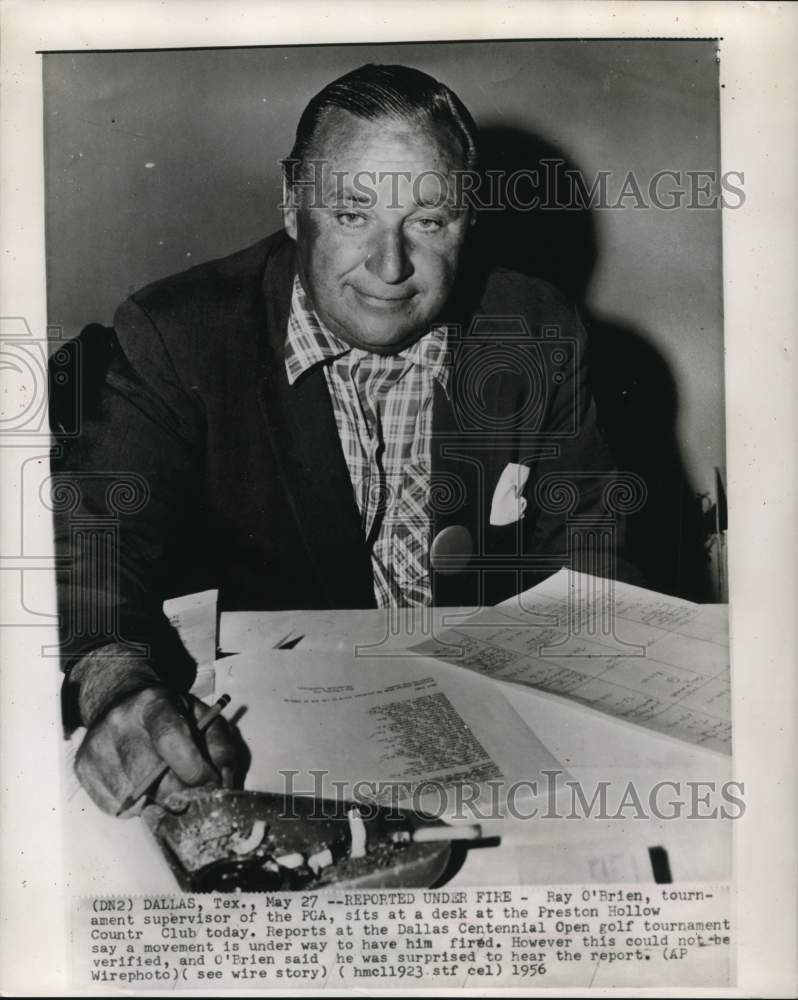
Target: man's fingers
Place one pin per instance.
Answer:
(173, 739)
(102, 778)
(149, 730)
(220, 743)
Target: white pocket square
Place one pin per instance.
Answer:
(508, 505)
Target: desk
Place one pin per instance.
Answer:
(107, 855)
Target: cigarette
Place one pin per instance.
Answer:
(323, 859)
(438, 834)
(357, 833)
(290, 861)
(255, 838)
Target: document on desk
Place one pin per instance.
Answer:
(384, 729)
(194, 617)
(633, 654)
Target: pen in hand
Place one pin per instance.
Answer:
(160, 770)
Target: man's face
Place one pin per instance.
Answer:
(378, 245)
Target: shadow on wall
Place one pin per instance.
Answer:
(634, 388)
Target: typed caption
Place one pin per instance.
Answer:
(576, 936)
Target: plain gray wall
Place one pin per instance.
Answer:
(158, 160)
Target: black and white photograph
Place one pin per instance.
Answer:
(385, 470)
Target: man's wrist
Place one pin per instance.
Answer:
(106, 676)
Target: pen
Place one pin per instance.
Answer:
(158, 772)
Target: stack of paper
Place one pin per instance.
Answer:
(647, 658)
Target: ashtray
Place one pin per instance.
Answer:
(217, 840)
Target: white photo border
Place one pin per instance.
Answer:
(759, 135)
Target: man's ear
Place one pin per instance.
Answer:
(289, 209)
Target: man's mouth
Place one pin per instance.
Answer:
(384, 301)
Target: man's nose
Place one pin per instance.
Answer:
(388, 258)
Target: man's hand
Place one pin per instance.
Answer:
(149, 728)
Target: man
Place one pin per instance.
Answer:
(347, 414)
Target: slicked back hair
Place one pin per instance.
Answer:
(373, 92)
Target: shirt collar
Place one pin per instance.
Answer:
(310, 343)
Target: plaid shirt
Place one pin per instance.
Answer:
(383, 410)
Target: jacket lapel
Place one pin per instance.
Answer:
(304, 438)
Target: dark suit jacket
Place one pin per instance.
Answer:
(198, 466)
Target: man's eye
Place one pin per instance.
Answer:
(351, 220)
(428, 225)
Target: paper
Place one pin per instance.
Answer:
(194, 617)
(379, 729)
(319, 630)
(647, 658)
(508, 505)
(370, 633)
